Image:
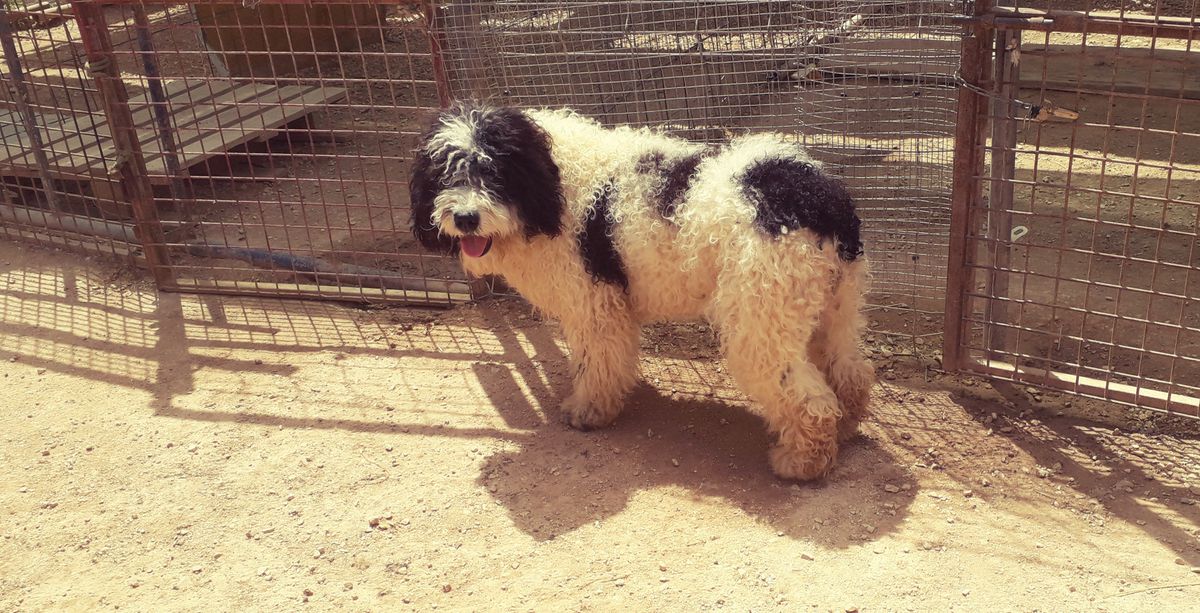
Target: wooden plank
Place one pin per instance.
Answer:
(209, 117)
(233, 126)
(1168, 73)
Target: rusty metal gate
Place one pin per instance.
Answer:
(1074, 261)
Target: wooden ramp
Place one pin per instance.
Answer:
(208, 118)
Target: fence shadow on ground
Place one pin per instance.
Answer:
(494, 372)
(284, 364)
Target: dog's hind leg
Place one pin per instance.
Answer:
(849, 373)
(603, 342)
(767, 311)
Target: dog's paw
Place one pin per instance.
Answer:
(847, 429)
(584, 416)
(801, 464)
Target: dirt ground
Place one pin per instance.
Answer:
(168, 452)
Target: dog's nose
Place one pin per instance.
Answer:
(466, 222)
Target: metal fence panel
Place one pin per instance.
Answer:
(1079, 269)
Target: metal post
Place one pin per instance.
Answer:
(967, 160)
(127, 165)
(1000, 193)
(16, 73)
(180, 189)
(436, 44)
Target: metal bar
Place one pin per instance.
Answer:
(1006, 54)
(1011, 18)
(128, 167)
(437, 44)
(967, 157)
(267, 289)
(1088, 386)
(28, 119)
(180, 189)
(69, 223)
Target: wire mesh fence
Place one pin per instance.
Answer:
(276, 137)
(1080, 258)
(263, 147)
(868, 86)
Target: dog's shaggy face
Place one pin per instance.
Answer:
(483, 175)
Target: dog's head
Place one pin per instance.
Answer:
(482, 175)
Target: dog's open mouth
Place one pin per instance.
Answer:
(475, 246)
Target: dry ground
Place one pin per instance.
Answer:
(167, 452)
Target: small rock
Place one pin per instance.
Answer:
(674, 462)
(446, 588)
(805, 556)
(48, 504)
(1124, 484)
(197, 569)
(1043, 472)
(134, 583)
(1180, 562)
(891, 489)
(45, 452)
(1188, 501)
(308, 593)
(968, 493)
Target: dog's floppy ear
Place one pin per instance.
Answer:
(527, 177)
(423, 185)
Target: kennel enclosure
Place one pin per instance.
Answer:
(1025, 172)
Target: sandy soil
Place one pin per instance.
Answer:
(167, 452)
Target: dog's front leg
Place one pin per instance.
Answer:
(604, 351)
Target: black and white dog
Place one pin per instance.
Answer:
(607, 229)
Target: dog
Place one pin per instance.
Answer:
(606, 229)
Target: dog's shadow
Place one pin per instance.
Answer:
(560, 479)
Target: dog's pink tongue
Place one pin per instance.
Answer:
(475, 246)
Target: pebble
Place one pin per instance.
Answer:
(891, 489)
(805, 556)
(446, 588)
(1188, 501)
(674, 462)
(968, 493)
(197, 569)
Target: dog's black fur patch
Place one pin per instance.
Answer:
(423, 186)
(675, 177)
(518, 169)
(600, 256)
(795, 194)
